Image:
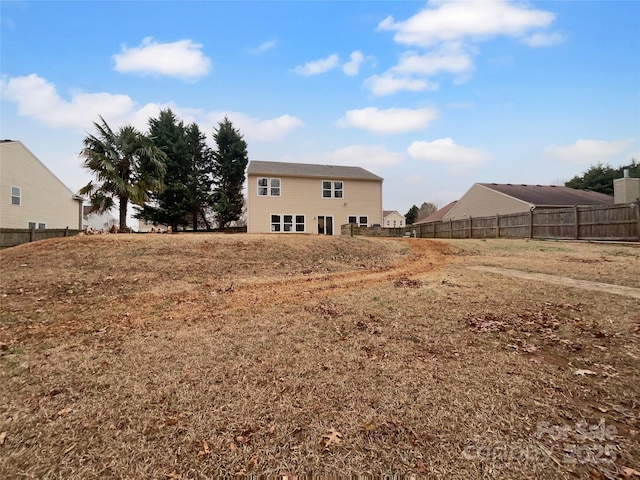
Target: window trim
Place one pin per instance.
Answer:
(333, 190)
(269, 187)
(32, 225)
(18, 196)
(358, 218)
(42, 226)
(281, 223)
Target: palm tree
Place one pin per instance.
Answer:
(127, 166)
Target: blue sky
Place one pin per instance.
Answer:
(433, 96)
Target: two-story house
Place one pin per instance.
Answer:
(305, 198)
(31, 195)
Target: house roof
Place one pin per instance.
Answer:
(437, 215)
(547, 195)
(310, 170)
(389, 212)
(7, 141)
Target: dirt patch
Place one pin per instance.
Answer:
(197, 356)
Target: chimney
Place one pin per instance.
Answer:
(626, 189)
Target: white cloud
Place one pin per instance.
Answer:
(446, 20)
(589, 151)
(182, 59)
(370, 157)
(258, 129)
(316, 67)
(543, 39)
(393, 120)
(39, 99)
(447, 58)
(445, 151)
(352, 67)
(388, 83)
(263, 47)
(447, 31)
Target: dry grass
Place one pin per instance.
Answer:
(191, 356)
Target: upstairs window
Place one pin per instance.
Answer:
(332, 189)
(268, 187)
(16, 196)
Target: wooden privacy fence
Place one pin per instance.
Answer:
(609, 222)
(10, 237)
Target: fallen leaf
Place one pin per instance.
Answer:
(3, 437)
(205, 449)
(332, 438)
(233, 446)
(584, 372)
(64, 412)
(369, 426)
(627, 473)
(421, 467)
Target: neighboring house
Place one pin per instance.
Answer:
(305, 198)
(487, 199)
(97, 221)
(392, 219)
(437, 215)
(31, 196)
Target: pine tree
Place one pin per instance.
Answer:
(230, 162)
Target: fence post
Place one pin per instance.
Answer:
(470, 227)
(32, 234)
(351, 225)
(638, 220)
(531, 223)
(450, 228)
(497, 225)
(577, 222)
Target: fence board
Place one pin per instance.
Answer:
(612, 222)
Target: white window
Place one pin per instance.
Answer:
(332, 189)
(287, 223)
(42, 226)
(32, 225)
(361, 221)
(268, 187)
(16, 196)
(388, 222)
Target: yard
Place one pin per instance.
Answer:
(193, 356)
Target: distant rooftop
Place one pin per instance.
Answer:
(550, 194)
(310, 170)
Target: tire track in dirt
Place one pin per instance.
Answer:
(424, 257)
(564, 281)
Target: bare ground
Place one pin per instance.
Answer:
(190, 356)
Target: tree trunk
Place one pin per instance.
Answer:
(123, 213)
(195, 220)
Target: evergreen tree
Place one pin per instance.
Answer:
(411, 215)
(201, 179)
(230, 162)
(173, 205)
(599, 177)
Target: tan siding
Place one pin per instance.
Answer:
(303, 196)
(481, 201)
(44, 198)
(626, 190)
(388, 220)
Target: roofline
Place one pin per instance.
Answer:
(73, 195)
(447, 215)
(342, 177)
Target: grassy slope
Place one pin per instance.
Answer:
(152, 356)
